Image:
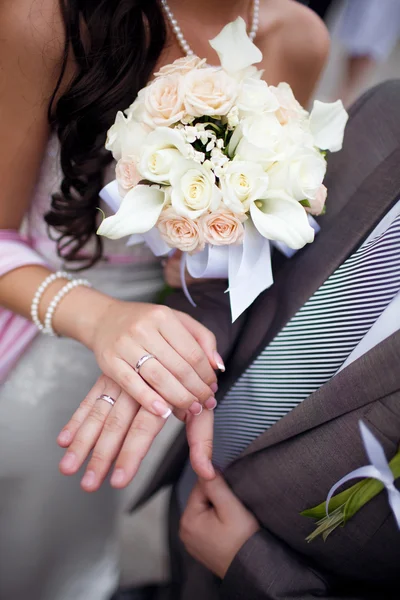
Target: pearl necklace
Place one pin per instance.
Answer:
(181, 38)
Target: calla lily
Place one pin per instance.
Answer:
(138, 213)
(280, 218)
(327, 123)
(235, 49)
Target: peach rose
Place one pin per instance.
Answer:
(222, 228)
(290, 108)
(127, 175)
(318, 203)
(180, 232)
(163, 101)
(180, 66)
(209, 91)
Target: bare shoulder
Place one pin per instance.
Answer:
(31, 39)
(296, 39)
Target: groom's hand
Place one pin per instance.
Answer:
(215, 525)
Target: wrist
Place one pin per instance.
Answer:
(80, 313)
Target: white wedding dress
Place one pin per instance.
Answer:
(57, 542)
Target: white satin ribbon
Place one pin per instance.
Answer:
(247, 266)
(378, 469)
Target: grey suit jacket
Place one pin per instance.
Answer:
(292, 465)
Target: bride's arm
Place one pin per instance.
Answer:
(31, 49)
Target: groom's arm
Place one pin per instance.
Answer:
(266, 569)
(212, 310)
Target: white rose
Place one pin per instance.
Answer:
(194, 190)
(163, 148)
(241, 184)
(125, 137)
(209, 91)
(180, 66)
(256, 97)
(300, 176)
(162, 102)
(257, 139)
(289, 108)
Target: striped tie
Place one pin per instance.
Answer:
(311, 348)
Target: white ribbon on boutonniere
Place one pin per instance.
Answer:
(378, 469)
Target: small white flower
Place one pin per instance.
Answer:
(220, 143)
(233, 117)
(210, 145)
(194, 190)
(218, 158)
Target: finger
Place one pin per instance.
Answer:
(221, 497)
(89, 432)
(110, 442)
(177, 335)
(68, 432)
(197, 504)
(199, 432)
(205, 338)
(154, 373)
(145, 427)
(181, 370)
(136, 387)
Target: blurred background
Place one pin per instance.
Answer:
(365, 51)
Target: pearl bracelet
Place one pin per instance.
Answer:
(39, 294)
(48, 320)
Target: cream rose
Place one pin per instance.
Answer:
(241, 184)
(256, 97)
(180, 232)
(289, 108)
(180, 66)
(318, 203)
(194, 190)
(222, 228)
(163, 101)
(300, 176)
(209, 91)
(163, 148)
(127, 175)
(257, 139)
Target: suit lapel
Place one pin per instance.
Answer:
(301, 276)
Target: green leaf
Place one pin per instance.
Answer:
(319, 512)
(305, 203)
(372, 488)
(327, 525)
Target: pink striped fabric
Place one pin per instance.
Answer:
(16, 333)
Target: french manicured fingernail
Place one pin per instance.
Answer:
(196, 409)
(211, 403)
(161, 409)
(89, 479)
(118, 477)
(68, 461)
(219, 362)
(214, 387)
(64, 437)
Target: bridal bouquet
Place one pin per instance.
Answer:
(218, 164)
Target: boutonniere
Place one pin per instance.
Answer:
(377, 476)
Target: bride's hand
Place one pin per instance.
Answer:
(181, 373)
(124, 432)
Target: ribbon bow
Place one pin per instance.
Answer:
(378, 469)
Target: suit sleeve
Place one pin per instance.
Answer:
(212, 310)
(266, 569)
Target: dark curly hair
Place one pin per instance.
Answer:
(115, 45)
